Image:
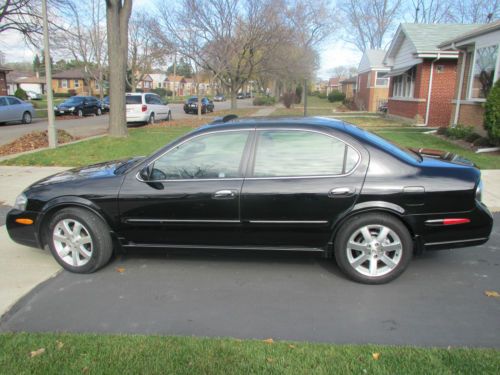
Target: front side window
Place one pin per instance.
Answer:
(210, 156)
(289, 153)
(13, 101)
(485, 61)
(404, 84)
(3, 102)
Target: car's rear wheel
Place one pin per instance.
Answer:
(373, 248)
(169, 117)
(26, 118)
(151, 118)
(79, 240)
(98, 112)
(79, 113)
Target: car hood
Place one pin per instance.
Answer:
(100, 170)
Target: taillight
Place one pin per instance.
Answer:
(144, 108)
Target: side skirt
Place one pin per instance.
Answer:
(239, 248)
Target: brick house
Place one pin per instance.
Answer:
(74, 81)
(348, 87)
(478, 68)
(422, 75)
(145, 84)
(373, 84)
(3, 79)
(333, 85)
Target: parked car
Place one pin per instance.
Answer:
(79, 106)
(14, 109)
(306, 184)
(191, 105)
(33, 95)
(105, 104)
(248, 95)
(146, 108)
(219, 98)
(240, 95)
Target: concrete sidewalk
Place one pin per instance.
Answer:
(22, 268)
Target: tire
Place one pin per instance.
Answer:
(98, 112)
(91, 255)
(26, 118)
(151, 119)
(79, 113)
(373, 248)
(169, 117)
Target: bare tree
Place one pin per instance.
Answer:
(476, 11)
(144, 51)
(84, 37)
(367, 24)
(342, 71)
(230, 38)
(23, 16)
(433, 11)
(117, 17)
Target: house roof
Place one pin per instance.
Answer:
(333, 81)
(75, 73)
(14, 75)
(478, 31)
(4, 69)
(372, 59)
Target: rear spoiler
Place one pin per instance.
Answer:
(442, 155)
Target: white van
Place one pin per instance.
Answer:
(146, 107)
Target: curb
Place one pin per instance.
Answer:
(12, 156)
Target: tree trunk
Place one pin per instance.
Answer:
(117, 17)
(199, 100)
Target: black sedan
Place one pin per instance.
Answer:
(191, 105)
(293, 184)
(80, 106)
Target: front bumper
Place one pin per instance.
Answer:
(62, 112)
(21, 233)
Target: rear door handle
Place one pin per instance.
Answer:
(224, 194)
(341, 192)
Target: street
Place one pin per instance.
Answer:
(439, 301)
(93, 125)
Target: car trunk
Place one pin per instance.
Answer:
(134, 104)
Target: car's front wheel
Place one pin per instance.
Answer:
(79, 240)
(26, 118)
(169, 117)
(151, 119)
(373, 248)
(98, 112)
(79, 113)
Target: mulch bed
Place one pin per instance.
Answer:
(34, 141)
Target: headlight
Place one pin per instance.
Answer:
(55, 108)
(479, 191)
(21, 201)
(71, 108)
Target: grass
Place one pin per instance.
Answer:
(134, 354)
(375, 121)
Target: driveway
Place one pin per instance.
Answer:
(92, 125)
(438, 301)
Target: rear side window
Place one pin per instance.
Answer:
(133, 99)
(288, 153)
(3, 102)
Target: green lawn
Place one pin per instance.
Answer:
(133, 354)
(374, 121)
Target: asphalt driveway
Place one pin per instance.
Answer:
(439, 301)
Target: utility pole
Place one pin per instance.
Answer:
(175, 75)
(48, 79)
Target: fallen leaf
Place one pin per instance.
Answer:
(292, 346)
(85, 370)
(491, 293)
(37, 352)
(120, 269)
(376, 356)
(269, 341)
(269, 360)
(59, 344)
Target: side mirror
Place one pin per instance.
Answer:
(145, 173)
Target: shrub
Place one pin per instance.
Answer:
(298, 94)
(160, 91)
(288, 99)
(322, 95)
(443, 130)
(314, 93)
(21, 94)
(264, 100)
(350, 104)
(472, 137)
(482, 142)
(460, 132)
(61, 95)
(336, 96)
(72, 92)
(492, 114)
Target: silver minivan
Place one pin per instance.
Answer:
(14, 109)
(146, 108)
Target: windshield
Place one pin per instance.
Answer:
(133, 99)
(127, 164)
(192, 100)
(74, 100)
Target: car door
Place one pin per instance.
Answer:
(4, 110)
(161, 108)
(189, 195)
(299, 184)
(15, 109)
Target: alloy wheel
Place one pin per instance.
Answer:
(72, 242)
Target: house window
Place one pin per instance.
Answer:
(97, 85)
(382, 80)
(63, 83)
(404, 84)
(76, 83)
(159, 85)
(147, 84)
(484, 71)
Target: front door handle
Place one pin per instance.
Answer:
(224, 194)
(341, 192)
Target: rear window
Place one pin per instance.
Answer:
(133, 99)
